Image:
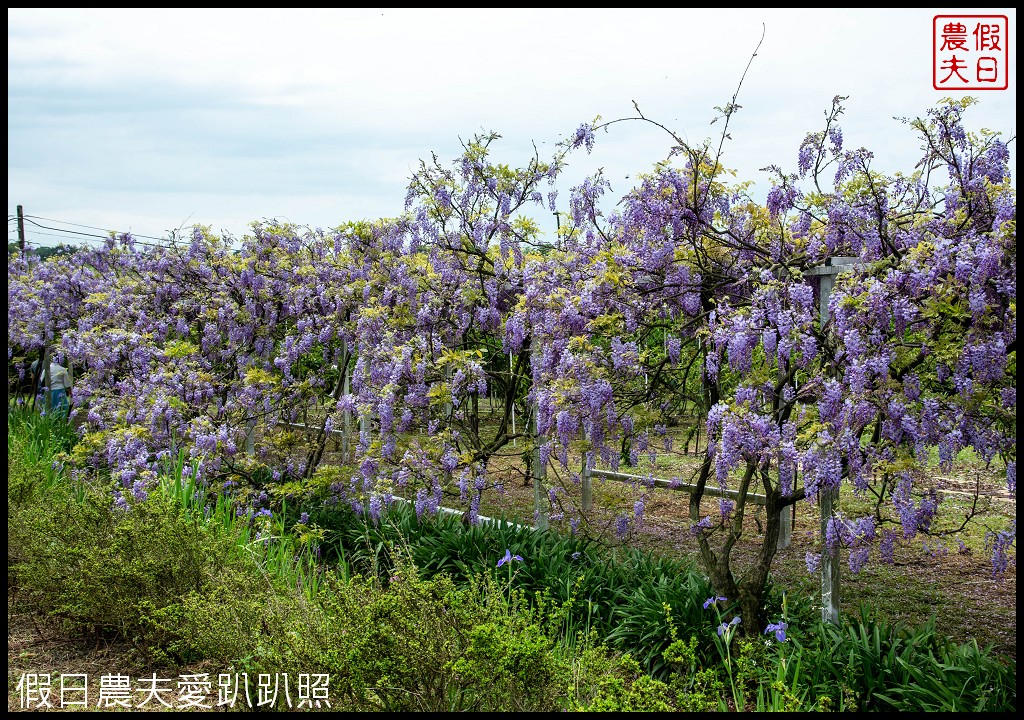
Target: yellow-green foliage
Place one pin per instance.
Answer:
(101, 568)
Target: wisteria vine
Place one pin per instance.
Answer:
(689, 297)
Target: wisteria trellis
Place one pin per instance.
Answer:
(688, 290)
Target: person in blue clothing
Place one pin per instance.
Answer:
(60, 386)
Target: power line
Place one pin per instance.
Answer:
(65, 237)
(70, 232)
(105, 238)
(93, 227)
(14, 218)
(65, 222)
(90, 238)
(164, 242)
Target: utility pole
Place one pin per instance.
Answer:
(21, 230)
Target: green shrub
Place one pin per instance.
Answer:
(616, 683)
(695, 688)
(106, 569)
(416, 644)
(36, 446)
(511, 666)
(24, 478)
(413, 644)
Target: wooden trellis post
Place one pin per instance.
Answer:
(346, 414)
(828, 498)
(785, 527)
(785, 515)
(510, 379)
(587, 482)
(541, 506)
(250, 437)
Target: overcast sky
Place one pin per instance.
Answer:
(149, 120)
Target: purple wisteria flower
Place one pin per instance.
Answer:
(999, 544)
(202, 346)
(584, 136)
(699, 527)
(509, 557)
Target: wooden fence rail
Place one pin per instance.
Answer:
(785, 515)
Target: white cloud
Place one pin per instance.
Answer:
(227, 116)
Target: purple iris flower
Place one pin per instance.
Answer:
(508, 558)
(779, 629)
(725, 627)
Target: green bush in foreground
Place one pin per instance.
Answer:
(183, 589)
(107, 570)
(187, 581)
